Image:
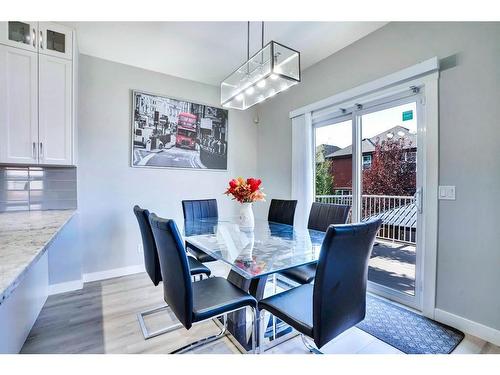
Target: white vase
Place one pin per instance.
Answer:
(247, 221)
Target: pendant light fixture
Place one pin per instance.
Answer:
(271, 70)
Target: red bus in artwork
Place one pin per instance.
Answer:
(186, 131)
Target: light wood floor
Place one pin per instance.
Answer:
(101, 318)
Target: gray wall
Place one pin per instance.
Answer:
(469, 157)
(65, 254)
(108, 187)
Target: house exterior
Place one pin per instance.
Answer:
(342, 159)
(322, 151)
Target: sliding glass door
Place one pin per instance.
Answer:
(369, 158)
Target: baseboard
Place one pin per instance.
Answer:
(67, 286)
(115, 272)
(468, 326)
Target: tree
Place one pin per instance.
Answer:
(391, 171)
(324, 178)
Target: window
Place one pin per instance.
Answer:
(185, 133)
(367, 161)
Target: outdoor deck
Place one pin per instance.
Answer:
(393, 265)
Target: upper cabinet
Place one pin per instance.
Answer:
(43, 37)
(20, 34)
(37, 99)
(18, 106)
(55, 40)
(54, 85)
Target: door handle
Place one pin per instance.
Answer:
(418, 200)
(33, 152)
(41, 150)
(41, 39)
(34, 37)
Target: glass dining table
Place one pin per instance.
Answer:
(254, 256)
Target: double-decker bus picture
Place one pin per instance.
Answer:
(186, 131)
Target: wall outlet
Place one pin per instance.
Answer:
(140, 249)
(447, 193)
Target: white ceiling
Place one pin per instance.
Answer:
(209, 51)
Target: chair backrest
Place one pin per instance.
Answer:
(282, 211)
(177, 288)
(322, 215)
(339, 297)
(151, 261)
(199, 209)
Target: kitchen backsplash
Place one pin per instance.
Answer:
(37, 188)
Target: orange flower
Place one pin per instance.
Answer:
(245, 191)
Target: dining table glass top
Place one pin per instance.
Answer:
(269, 248)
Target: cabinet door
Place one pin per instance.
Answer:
(55, 40)
(55, 124)
(20, 34)
(18, 106)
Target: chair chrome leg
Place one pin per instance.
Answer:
(148, 335)
(255, 313)
(262, 330)
(312, 348)
(204, 341)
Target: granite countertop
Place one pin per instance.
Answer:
(24, 238)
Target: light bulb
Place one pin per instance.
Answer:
(249, 91)
(274, 76)
(272, 93)
(239, 97)
(261, 84)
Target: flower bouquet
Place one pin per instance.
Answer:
(246, 192)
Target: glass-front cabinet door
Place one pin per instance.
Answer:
(55, 40)
(20, 34)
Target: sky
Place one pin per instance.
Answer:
(340, 134)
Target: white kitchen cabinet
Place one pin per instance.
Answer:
(20, 34)
(18, 106)
(55, 40)
(54, 112)
(37, 99)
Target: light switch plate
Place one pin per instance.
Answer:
(447, 193)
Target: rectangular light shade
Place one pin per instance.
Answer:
(273, 69)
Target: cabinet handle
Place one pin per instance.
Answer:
(41, 39)
(33, 153)
(41, 149)
(34, 38)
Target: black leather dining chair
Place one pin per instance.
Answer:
(152, 265)
(282, 211)
(337, 299)
(195, 210)
(194, 302)
(321, 216)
